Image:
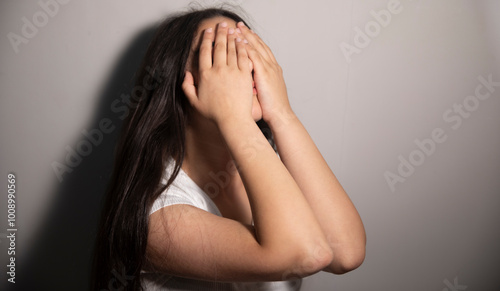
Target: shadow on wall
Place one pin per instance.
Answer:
(59, 257)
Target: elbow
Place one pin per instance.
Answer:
(346, 262)
(320, 258)
(310, 261)
(351, 263)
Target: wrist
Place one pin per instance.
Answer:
(232, 123)
(280, 118)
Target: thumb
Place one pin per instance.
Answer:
(189, 88)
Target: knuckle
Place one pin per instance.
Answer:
(218, 70)
(219, 45)
(204, 74)
(205, 49)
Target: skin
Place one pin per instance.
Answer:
(304, 221)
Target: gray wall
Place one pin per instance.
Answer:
(394, 110)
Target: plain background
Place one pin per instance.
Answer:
(439, 225)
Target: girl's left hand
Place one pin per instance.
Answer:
(268, 77)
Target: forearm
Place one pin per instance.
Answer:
(282, 216)
(332, 207)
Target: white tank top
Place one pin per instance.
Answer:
(184, 190)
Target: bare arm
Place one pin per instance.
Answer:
(287, 240)
(334, 210)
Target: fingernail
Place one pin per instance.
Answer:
(238, 39)
(209, 30)
(230, 31)
(241, 23)
(238, 30)
(223, 24)
(245, 41)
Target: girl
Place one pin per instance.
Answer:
(199, 199)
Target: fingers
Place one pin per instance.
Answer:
(231, 48)
(255, 57)
(243, 60)
(220, 47)
(256, 42)
(205, 58)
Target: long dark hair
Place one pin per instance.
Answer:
(153, 132)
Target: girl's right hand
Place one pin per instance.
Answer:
(224, 90)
